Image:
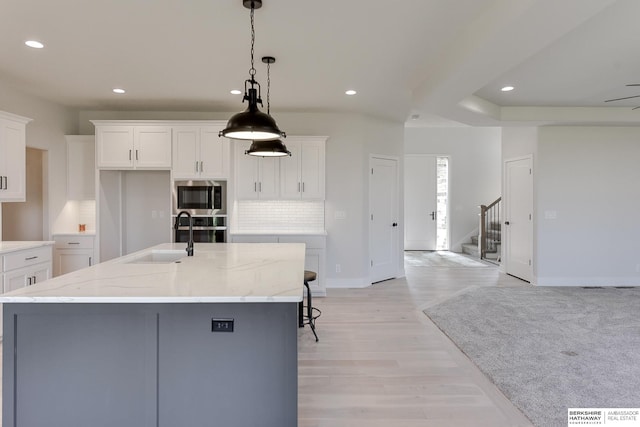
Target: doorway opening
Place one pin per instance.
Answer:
(442, 203)
(26, 220)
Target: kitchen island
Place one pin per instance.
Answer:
(156, 338)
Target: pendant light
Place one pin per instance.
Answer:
(252, 124)
(273, 147)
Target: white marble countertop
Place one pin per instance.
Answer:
(218, 272)
(11, 246)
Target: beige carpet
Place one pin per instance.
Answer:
(549, 349)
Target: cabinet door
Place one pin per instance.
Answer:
(40, 273)
(16, 279)
(68, 260)
(312, 164)
(214, 154)
(186, 142)
(12, 161)
(81, 169)
(246, 172)
(152, 146)
(114, 145)
(269, 178)
(290, 183)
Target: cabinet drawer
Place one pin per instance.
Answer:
(315, 242)
(27, 257)
(73, 242)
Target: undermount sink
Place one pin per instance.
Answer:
(159, 256)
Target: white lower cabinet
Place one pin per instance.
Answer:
(25, 267)
(314, 253)
(72, 252)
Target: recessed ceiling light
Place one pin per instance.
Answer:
(118, 90)
(351, 92)
(236, 92)
(507, 88)
(34, 44)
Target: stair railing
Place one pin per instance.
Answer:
(489, 237)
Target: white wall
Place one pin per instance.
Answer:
(352, 138)
(475, 171)
(589, 176)
(46, 132)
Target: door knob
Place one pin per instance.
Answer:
(395, 224)
(506, 223)
(433, 215)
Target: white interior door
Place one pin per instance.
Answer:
(420, 203)
(518, 224)
(383, 230)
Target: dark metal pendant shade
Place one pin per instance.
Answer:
(271, 148)
(252, 124)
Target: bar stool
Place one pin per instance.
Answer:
(309, 276)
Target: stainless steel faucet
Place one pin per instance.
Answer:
(189, 248)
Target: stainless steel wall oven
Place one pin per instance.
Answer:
(206, 202)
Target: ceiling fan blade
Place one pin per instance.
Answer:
(635, 108)
(620, 99)
(633, 84)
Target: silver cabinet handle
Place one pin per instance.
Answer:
(28, 281)
(298, 187)
(35, 279)
(196, 166)
(260, 186)
(201, 166)
(303, 187)
(30, 258)
(129, 155)
(433, 215)
(136, 154)
(90, 261)
(255, 187)
(73, 243)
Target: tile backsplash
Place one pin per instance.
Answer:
(279, 215)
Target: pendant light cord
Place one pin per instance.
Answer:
(252, 70)
(268, 87)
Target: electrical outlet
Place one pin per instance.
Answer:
(338, 268)
(222, 325)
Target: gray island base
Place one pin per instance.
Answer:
(192, 361)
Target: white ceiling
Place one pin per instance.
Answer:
(442, 60)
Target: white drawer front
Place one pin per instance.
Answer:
(26, 258)
(74, 242)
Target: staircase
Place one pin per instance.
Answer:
(487, 245)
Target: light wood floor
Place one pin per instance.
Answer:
(381, 362)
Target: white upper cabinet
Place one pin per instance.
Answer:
(132, 146)
(256, 177)
(199, 153)
(12, 157)
(81, 167)
(302, 176)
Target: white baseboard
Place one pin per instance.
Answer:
(588, 281)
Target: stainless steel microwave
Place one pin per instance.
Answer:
(200, 197)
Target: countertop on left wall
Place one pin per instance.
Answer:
(11, 246)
